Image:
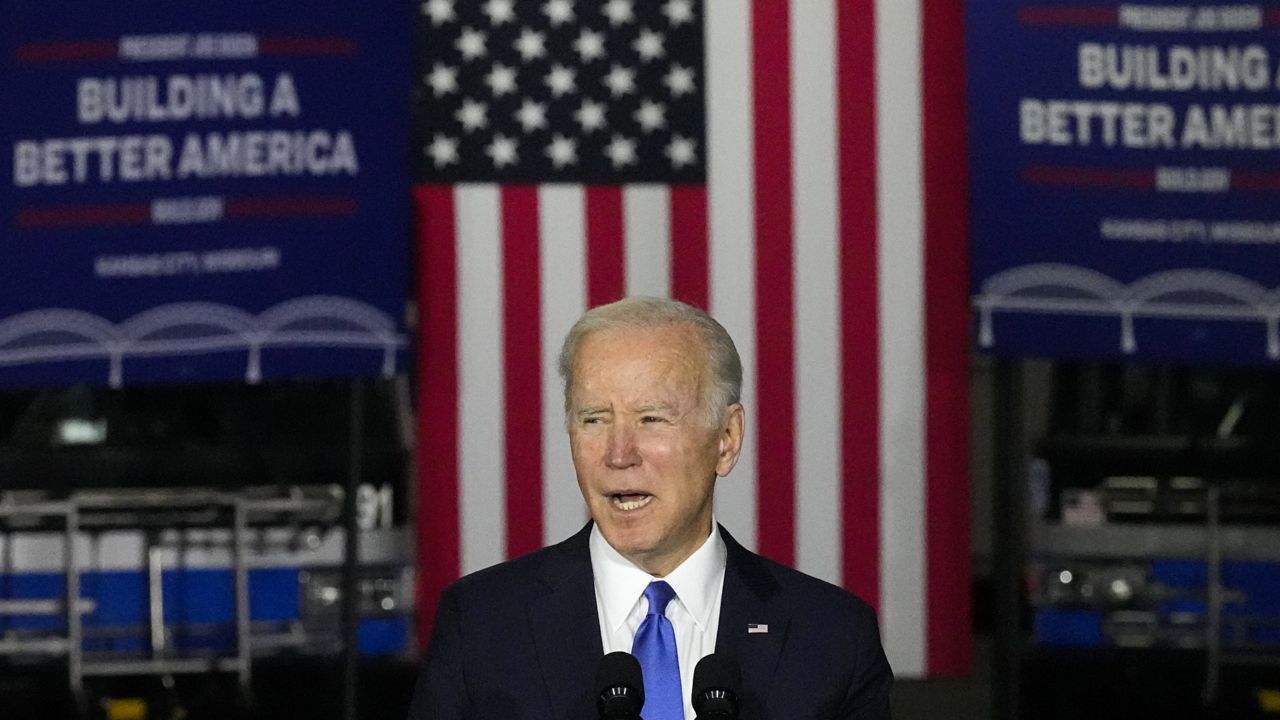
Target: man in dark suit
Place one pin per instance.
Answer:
(652, 411)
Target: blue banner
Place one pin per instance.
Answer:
(1126, 179)
(200, 191)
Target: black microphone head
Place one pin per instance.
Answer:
(717, 683)
(619, 687)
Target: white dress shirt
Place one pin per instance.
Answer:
(694, 613)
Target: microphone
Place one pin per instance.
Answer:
(619, 687)
(717, 683)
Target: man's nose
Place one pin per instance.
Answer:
(622, 451)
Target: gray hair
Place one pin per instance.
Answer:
(643, 313)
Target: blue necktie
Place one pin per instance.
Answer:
(655, 648)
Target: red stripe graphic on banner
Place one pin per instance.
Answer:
(946, 413)
(606, 276)
(1090, 177)
(68, 215)
(296, 46)
(771, 68)
(439, 554)
(1254, 180)
(1081, 15)
(690, 263)
(859, 304)
(67, 51)
(292, 206)
(522, 375)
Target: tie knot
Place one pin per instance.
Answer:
(659, 593)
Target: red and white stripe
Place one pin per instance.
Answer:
(829, 240)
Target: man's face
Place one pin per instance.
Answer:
(643, 446)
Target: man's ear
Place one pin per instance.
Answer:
(730, 441)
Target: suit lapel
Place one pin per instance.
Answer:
(752, 627)
(566, 629)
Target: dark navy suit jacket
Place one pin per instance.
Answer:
(522, 640)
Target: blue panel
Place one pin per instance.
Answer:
(121, 597)
(207, 595)
(273, 594)
(1179, 573)
(1068, 628)
(1260, 584)
(197, 596)
(383, 636)
(33, 586)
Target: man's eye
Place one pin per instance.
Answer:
(652, 419)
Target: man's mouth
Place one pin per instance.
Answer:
(630, 501)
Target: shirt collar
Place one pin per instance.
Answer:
(620, 582)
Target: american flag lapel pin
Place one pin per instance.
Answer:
(757, 628)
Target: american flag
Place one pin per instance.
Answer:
(798, 169)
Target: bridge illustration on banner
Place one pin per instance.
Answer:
(1188, 294)
(57, 334)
